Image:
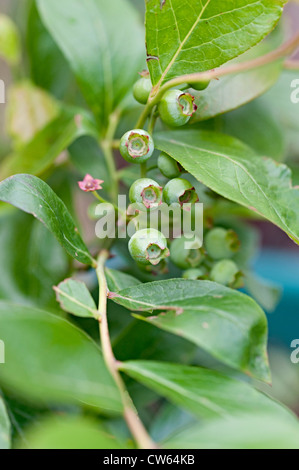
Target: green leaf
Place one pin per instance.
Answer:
(249, 431)
(140, 340)
(48, 68)
(285, 377)
(34, 196)
(266, 293)
(232, 91)
(203, 392)
(282, 103)
(118, 280)
(87, 157)
(37, 262)
(169, 421)
(129, 175)
(70, 432)
(75, 298)
(52, 361)
(201, 35)
(255, 126)
(29, 110)
(208, 315)
(103, 43)
(23, 414)
(40, 153)
(232, 169)
(4, 427)
(295, 172)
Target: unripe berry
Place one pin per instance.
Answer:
(142, 89)
(184, 257)
(168, 166)
(148, 246)
(147, 191)
(201, 85)
(176, 108)
(195, 274)
(179, 191)
(221, 243)
(136, 146)
(226, 272)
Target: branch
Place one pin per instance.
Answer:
(130, 414)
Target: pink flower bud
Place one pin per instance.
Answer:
(90, 184)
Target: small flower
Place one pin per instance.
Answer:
(90, 184)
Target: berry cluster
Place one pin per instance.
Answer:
(149, 247)
(220, 246)
(210, 262)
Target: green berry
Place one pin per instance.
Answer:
(176, 108)
(226, 272)
(147, 191)
(148, 246)
(142, 89)
(136, 146)
(195, 274)
(186, 257)
(179, 191)
(221, 243)
(168, 166)
(201, 85)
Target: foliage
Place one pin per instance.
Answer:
(72, 115)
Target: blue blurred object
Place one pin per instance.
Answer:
(282, 267)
